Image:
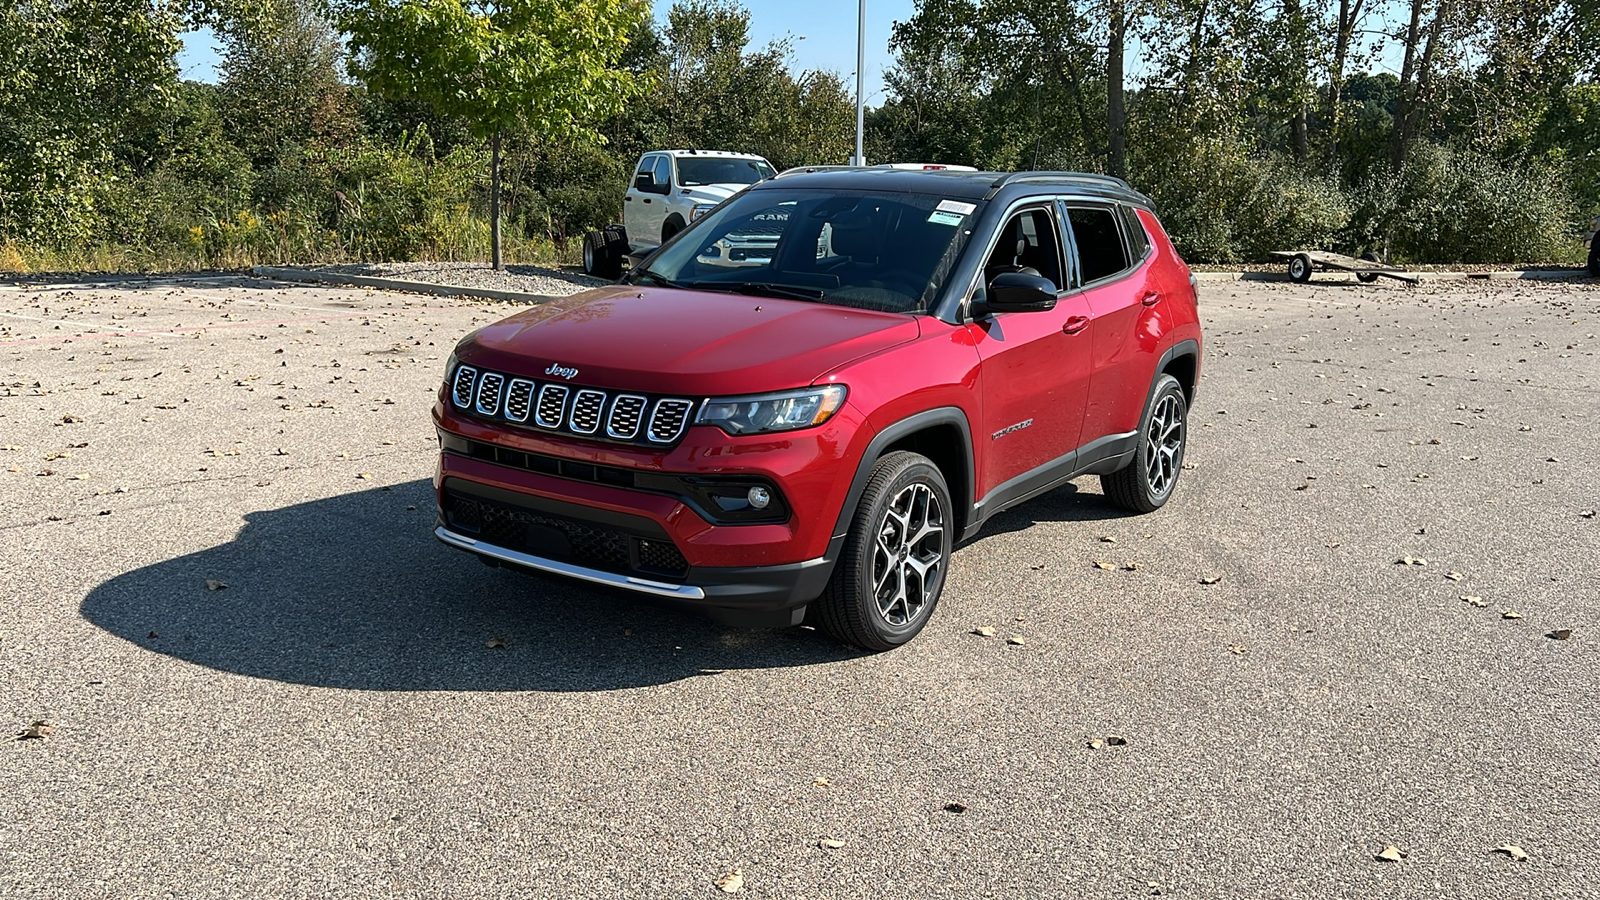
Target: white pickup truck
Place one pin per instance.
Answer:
(669, 189)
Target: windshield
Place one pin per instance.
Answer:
(696, 171)
(865, 249)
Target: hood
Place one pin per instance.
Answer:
(690, 343)
(712, 193)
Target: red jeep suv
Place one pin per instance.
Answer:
(794, 409)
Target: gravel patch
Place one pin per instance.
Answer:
(525, 279)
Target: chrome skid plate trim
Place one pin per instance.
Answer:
(626, 582)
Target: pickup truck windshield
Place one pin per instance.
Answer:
(693, 172)
(864, 249)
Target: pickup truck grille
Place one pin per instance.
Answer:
(585, 412)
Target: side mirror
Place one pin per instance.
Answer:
(1019, 292)
(645, 183)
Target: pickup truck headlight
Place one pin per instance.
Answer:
(766, 413)
(700, 209)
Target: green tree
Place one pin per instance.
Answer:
(547, 66)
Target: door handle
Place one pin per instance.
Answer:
(1150, 298)
(1075, 324)
(627, 199)
(647, 199)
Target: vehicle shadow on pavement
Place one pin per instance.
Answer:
(355, 592)
(1067, 503)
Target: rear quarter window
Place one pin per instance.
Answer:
(1137, 238)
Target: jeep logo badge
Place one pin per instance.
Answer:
(561, 371)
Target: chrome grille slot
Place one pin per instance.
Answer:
(489, 392)
(519, 399)
(586, 409)
(552, 403)
(461, 388)
(627, 412)
(668, 420)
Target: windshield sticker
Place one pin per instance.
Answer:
(957, 207)
(944, 218)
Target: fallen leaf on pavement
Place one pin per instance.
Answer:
(364, 475)
(214, 585)
(1210, 579)
(830, 844)
(955, 807)
(1560, 634)
(1130, 567)
(1238, 649)
(984, 631)
(1116, 740)
(1513, 851)
(1510, 614)
(1096, 744)
(1015, 641)
(1411, 561)
(1102, 564)
(495, 643)
(1107, 539)
(1391, 853)
(820, 781)
(732, 882)
(1475, 601)
(1454, 576)
(38, 731)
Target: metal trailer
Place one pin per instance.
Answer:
(1303, 262)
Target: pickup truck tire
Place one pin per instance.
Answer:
(673, 225)
(1144, 484)
(889, 576)
(603, 253)
(1594, 255)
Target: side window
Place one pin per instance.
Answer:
(646, 166)
(1027, 244)
(663, 170)
(1099, 241)
(1136, 233)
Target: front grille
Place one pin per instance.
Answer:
(518, 399)
(627, 411)
(588, 544)
(586, 408)
(552, 404)
(489, 392)
(461, 389)
(668, 420)
(632, 418)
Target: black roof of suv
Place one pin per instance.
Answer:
(962, 184)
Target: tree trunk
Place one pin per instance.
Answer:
(1344, 33)
(494, 206)
(1116, 115)
(1398, 139)
(1301, 145)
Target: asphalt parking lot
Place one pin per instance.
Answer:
(335, 720)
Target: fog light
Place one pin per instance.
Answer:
(758, 497)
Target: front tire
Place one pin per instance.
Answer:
(895, 558)
(1594, 255)
(673, 225)
(1146, 484)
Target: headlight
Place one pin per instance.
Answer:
(764, 413)
(700, 209)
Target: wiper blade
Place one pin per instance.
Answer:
(760, 289)
(655, 279)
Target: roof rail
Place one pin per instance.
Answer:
(1014, 177)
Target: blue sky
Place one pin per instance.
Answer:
(825, 32)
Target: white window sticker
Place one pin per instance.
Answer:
(956, 206)
(944, 218)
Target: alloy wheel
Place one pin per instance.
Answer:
(1163, 443)
(908, 555)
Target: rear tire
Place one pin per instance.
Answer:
(603, 253)
(1300, 268)
(896, 555)
(1367, 277)
(1145, 484)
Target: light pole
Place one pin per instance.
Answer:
(861, 67)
